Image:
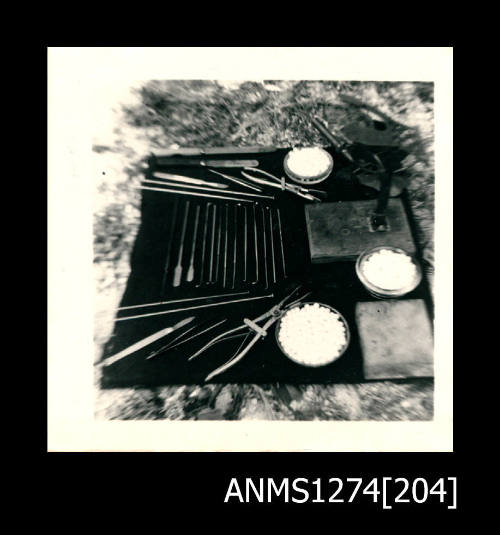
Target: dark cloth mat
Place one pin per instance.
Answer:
(335, 284)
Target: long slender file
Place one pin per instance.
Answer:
(190, 273)
(272, 242)
(195, 307)
(169, 246)
(194, 194)
(265, 246)
(178, 268)
(146, 341)
(189, 180)
(204, 246)
(212, 238)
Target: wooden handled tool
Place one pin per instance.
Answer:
(169, 246)
(178, 268)
(212, 238)
(190, 273)
(272, 242)
(204, 246)
(256, 246)
(265, 246)
(189, 180)
(146, 341)
(281, 242)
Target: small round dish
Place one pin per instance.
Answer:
(378, 291)
(310, 360)
(304, 177)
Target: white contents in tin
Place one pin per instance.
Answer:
(389, 269)
(308, 162)
(312, 335)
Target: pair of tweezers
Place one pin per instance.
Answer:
(175, 342)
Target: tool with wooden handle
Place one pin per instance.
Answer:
(146, 341)
(281, 242)
(234, 242)
(272, 242)
(169, 246)
(210, 151)
(256, 246)
(238, 181)
(224, 276)
(190, 273)
(186, 162)
(212, 238)
(219, 239)
(245, 244)
(185, 186)
(265, 246)
(126, 318)
(194, 194)
(189, 180)
(178, 268)
(204, 245)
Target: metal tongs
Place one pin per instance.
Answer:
(281, 184)
(272, 315)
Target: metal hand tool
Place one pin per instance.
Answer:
(204, 246)
(234, 242)
(256, 246)
(146, 341)
(190, 273)
(186, 162)
(189, 180)
(236, 180)
(195, 307)
(208, 151)
(265, 246)
(271, 316)
(185, 186)
(281, 184)
(272, 242)
(245, 244)
(173, 343)
(340, 145)
(219, 239)
(181, 192)
(165, 347)
(281, 242)
(225, 248)
(169, 246)
(178, 268)
(171, 301)
(214, 216)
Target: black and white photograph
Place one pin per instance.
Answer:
(263, 250)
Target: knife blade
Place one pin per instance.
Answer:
(189, 180)
(188, 162)
(146, 341)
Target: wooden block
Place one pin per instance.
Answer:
(396, 339)
(341, 230)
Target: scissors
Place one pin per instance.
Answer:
(270, 317)
(281, 184)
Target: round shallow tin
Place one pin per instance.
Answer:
(306, 180)
(334, 358)
(384, 293)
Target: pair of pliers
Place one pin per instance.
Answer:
(271, 316)
(281, 184)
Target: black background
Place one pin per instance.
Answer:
(334, 284)
(147, 489)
